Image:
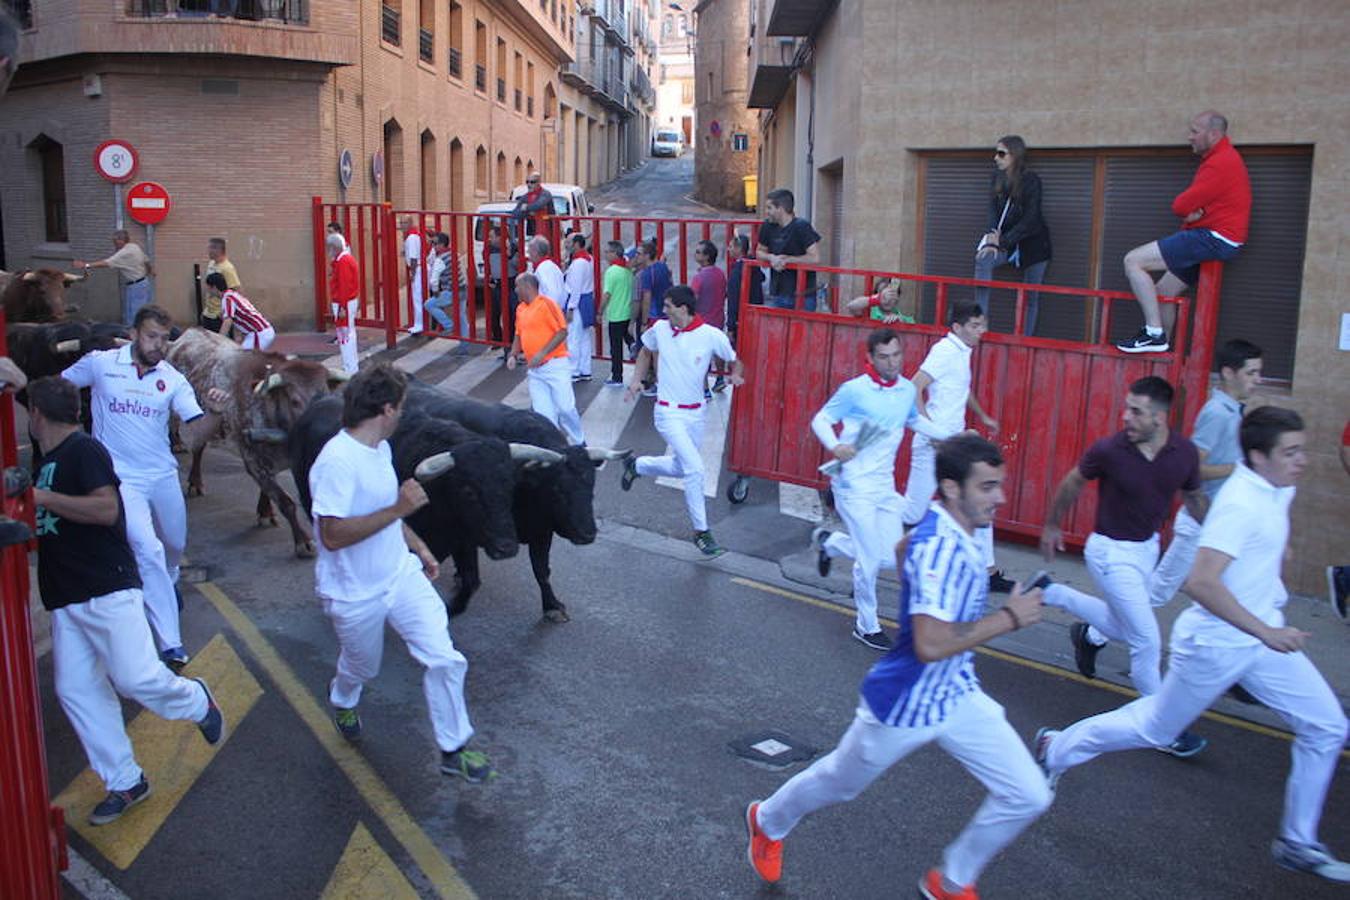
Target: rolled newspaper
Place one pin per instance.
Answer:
(867, 434)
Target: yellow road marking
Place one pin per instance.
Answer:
(365, 872)
(438, 870)
(172, 754)
(1254, 727)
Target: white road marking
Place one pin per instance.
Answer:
(607, 415)
(422, 356)
(474, 371)
(88, 881)
(800, 502)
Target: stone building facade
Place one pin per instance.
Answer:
(868, 107)
(726, 130)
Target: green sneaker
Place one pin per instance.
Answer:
(470, 765)
(630, 473)
(707, 544)
(348, 723)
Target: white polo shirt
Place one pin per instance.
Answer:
(551, 281)
(948, 364)
(579, 279)
(131, 410)
(682, 367)
(1248, 521)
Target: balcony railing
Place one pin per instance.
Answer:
(287, 12)
(501, 90)
(426, 45)
(456, 62)
(391, 25)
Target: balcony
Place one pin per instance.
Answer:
(770, 70)
(456, 62)
(426, 45)
(390, 25)
(592, 77)
(287, 12)
(797, 18)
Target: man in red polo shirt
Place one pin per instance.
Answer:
(1214, 213)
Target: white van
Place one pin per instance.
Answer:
(667, 142)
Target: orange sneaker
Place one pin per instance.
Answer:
(931, 888)
(766, 855)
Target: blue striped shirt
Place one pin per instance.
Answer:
(944, 577)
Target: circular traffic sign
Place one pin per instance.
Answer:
(345, 168)
(715, 128)
(377, 166)
(115, 160)
(148, 203)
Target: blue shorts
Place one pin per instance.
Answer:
(1184, 251)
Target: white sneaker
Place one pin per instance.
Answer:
(1311, 858)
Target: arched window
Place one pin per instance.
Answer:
(501, 173)
(457, 176)
(52, 158)
(428, 170)
(480, 170)
(520, 171)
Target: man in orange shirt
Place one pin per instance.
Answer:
(541, 343)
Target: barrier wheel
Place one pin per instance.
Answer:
(738, 490)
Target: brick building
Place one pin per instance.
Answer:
(881, 116)
(243, 119)
(726, 130)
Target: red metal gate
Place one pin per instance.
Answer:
(1052, 398)
(32, 833)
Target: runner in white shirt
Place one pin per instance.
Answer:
(373, 569)
(133, 390)
(944, 395)
(579, 310)
(685, 346)
(1235, 633)
(552, 283)
(864, 486)
(414, 253)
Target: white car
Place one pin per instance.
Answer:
(667, 143)
(568, 199)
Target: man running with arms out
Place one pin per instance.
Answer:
(1140, 469)
(87, 577)
(541, 344)
(1234, 633)
(926, 690)
(372, 568)
(132, 392)
(864, 486)
(1216, 438)
(685, 346)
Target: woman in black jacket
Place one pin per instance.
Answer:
(1017, 234)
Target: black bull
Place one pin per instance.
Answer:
(488, 499)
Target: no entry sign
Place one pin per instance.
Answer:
(115, 161)
(148, 203)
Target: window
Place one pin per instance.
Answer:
(480, 170)
(687, 91)
(426, 32)
(393, 162)
(390, 23)
(1099, 204)
(501, 70)
(457, 176)
(428, 170)
(456, 40)
(529, 89)
(502, 187)
(667, 26)
(519, 169)
(52, 158)
(518, 74)
(22, 9)
(480, 58)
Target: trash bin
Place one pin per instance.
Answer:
(751, 185)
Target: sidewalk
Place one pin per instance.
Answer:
(1049, 643)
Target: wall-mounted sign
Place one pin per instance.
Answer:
(148, 203)
(377, 167)
(115, 161)
(345, 169)
(715, 128)
(740, 141)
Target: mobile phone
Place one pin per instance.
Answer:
(1039, 580)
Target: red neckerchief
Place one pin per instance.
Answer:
(875, 376)
(696, 321)
(581, 254)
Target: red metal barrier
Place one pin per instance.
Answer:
(32, 834)
(1052, 398)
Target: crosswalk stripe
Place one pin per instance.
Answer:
(717, 417)
(172, 754)
(335, 361)
(472, 373)
(608, 413)
(519, 397)
(366, 871)
(800, 502)
(434, 349)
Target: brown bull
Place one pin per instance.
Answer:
(35, 295)
(266, 394)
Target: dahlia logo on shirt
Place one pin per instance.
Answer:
(161, 385)
(133, 408)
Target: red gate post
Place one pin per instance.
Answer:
(32, 834)
(320, 262)
(389, 289)
(1200, 354)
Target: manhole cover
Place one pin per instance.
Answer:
(773, 749)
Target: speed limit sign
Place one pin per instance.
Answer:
(115, 161)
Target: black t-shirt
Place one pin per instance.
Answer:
(791, 239)
(78, 561)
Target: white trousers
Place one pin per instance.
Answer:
(683, 431)
(1121, 570)
(102, 648)
(157, 532)
(1169, 575)
(1198, 675)
(922, 484)
(580, 345)
(874, 526)
(346, 334)
(976, 733)
(415, 611)
(418, 298)
(552, 397)
(259, 340)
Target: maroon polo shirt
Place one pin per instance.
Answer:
(1135, 493)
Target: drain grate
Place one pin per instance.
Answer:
(772, 749)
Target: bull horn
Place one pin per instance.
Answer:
(271, 381)
(71, 277)
(339, 375)
(265, 435)
(434, 466)
(70, 346)
(606, 454)
(533, 453)
(30, 276)
(121, 341)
